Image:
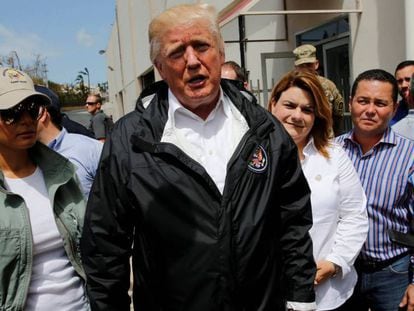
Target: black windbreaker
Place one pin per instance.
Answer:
(192, 247)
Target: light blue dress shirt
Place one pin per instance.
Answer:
(386, 172)
(84, 152)
(405, 127)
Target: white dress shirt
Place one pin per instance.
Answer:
(210, 142)
(340, 222)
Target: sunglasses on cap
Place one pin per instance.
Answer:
(14, 114)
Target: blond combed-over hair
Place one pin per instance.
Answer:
(183, 14)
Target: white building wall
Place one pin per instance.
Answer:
(114, 73)
(377, 39)
(378, 36)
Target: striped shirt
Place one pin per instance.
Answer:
(386, 172)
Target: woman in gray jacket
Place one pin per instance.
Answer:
(41, 209)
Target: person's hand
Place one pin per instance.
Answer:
(324, 270)
(407, 301)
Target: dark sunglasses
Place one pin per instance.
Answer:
(13, 115)
(90, 103)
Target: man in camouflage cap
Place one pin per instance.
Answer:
(305, 58)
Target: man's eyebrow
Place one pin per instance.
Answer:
(174, 47)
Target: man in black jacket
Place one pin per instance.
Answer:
(202, 187)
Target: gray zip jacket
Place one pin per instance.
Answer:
(16, 241)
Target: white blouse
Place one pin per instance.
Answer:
(340, 222)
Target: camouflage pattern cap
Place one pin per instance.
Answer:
(305, 54)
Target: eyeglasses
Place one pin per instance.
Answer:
(13, 115)
(91, 103)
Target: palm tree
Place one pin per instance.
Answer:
(85, 72)
(79, 79)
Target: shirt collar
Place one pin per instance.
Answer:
(387, 138)
(176, 107)
(309, 148)
(58, 139)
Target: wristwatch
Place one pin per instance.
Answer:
(338, 269)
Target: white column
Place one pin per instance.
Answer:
(409, 29)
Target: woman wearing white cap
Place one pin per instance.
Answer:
(41, 209)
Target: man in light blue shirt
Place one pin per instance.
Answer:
(405, 127)
(84, 152)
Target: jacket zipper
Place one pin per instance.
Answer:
(236, 155)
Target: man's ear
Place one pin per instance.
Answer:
(158, 65)
(44, 116)
(396, 104)
(349, 103)
(316, 65)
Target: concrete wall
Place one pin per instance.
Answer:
(377, 39)
(378, 36)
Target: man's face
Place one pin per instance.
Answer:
(372, 108)
(190, 62)
(92, 105)
(403, 77)
(311, 66)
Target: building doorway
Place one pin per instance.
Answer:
(332, 41)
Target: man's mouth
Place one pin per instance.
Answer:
(197, 80)
(405, 93)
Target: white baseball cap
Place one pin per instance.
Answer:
(16, 86)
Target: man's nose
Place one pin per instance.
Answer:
(406, 83)
(371, 108)
(191, 57)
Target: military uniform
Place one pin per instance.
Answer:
(306, 54)
(334, 97)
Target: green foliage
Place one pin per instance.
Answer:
(69, 95)
(73, 94)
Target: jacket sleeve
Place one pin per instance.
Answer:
(107, 233)
(298, 264)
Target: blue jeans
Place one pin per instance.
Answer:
(381, 290)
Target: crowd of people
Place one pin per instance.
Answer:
(202, 197)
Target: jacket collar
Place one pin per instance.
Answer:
(152, 105)
(56, 169)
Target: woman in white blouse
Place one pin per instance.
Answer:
(340, 221)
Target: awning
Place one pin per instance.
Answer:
(242, 7)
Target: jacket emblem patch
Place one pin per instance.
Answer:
(258, 162)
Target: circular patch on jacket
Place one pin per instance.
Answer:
(258, 162)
